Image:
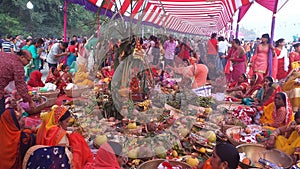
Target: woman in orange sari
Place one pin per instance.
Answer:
(15, 141)
(53, 133)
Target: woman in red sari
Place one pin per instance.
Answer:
(35, 79)
(53, 133)
(282, 58)
(55, 78)
(295, 57)
(108, 157)
(238, 88)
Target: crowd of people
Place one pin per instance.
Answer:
(197, 61)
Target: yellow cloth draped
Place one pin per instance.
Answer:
(50, 133)
(267, 117)
(288, 145)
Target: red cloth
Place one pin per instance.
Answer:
(12, 69)
(10, 141)
(81, 152)
(72, 48)
(35, 79)
(281, 74)
(212, 45)
(105, 159)
(184, 52)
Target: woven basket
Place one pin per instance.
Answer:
(38, 108)
(50, 94)
(153, 164)
(75, 92)
(50, 102)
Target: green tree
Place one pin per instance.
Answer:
(45, 19)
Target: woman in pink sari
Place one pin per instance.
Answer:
(238, 58)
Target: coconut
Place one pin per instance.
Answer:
(211, 136)
(160, 152)
(192, 161)
(133, 153)
(99, 140)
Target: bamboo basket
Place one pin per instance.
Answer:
(38, 108)
(50, 94)
(50, 102)
(75, 92)
(153, 164)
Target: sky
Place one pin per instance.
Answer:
(287, 22)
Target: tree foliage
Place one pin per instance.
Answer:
(45, 19)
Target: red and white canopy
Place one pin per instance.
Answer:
(187, 16)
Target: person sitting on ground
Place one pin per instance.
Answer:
(286, 138)
(266, 94)
(35, 79)
(53, 132)
(15, 140)
(108, 157)
(66, 76)
(279, 113)
(225, 156)
(237, 89)
(252, 90)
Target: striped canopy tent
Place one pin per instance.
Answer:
(200, 17)
(186, 16)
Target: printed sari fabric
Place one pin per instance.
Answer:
(46, 157)
(14, 141)
(277, 117)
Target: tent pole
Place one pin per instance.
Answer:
(238, 26)
(65, 20)
(272, 37)
(237, 31)
(231, 31)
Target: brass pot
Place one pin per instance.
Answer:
(256, 151)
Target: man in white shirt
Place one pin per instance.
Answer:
(56, 52)
(222, 49)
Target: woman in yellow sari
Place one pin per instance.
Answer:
(53, 133)
(292, 88)
(287, 138)
(82, 77)
(278, 113)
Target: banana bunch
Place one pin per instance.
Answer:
(138, 53)
(145, 104)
